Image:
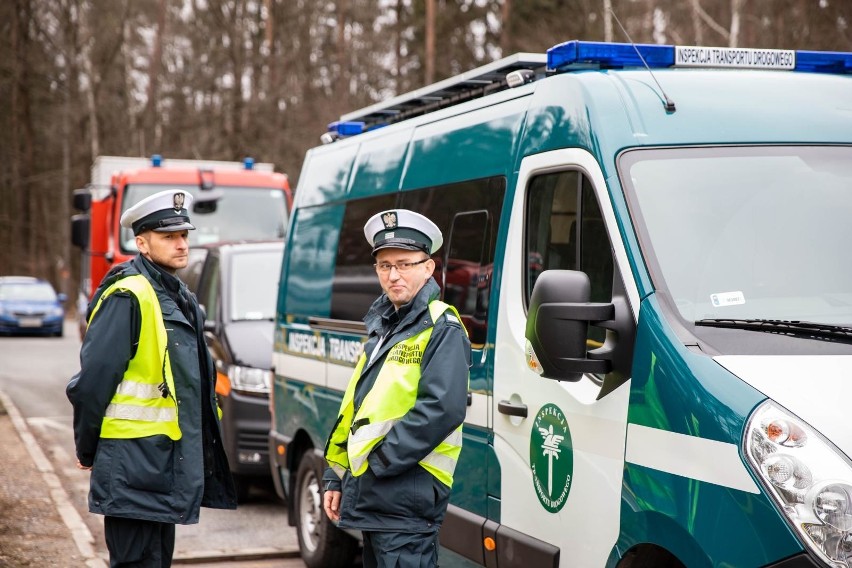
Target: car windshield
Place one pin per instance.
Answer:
(746, 232)
(39, 292)
(254, 285)
(241, 213)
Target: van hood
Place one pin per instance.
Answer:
(817, 389)
(251, 342)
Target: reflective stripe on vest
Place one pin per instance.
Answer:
(138, 408)
(392, 396)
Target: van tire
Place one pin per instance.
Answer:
(321, 543)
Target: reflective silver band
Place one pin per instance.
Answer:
(356, 462)
(455, 438)
(138, 390)
(141, 413)
(370, 432)
(440, 462)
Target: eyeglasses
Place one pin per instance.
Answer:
(401, 267)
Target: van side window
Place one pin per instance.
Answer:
(565, 230)
(355, 285)
(467, 214)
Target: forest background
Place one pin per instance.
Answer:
(226, 79)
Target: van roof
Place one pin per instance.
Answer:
(576, 56)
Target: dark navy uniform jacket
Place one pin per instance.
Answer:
(395, 493)
(151, 478)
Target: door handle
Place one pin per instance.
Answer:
(512, 409)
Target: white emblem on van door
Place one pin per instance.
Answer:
(551, 457)
(723, 299)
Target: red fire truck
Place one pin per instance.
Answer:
(233, 200)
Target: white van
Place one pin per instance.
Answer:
(648, 247)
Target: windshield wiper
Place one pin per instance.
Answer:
(800, 328)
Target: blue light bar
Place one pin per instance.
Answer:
(248, 163)
(346, 128)
(156, 160)
(584, 54)
(824, 61)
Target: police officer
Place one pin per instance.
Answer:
(398, 434)
(146, 421)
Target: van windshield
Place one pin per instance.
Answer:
(254, 213)
(746, 232)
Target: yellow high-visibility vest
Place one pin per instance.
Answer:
(392, 396)
(138, 408)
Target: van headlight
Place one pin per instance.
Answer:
(249, 379)
(808, 477)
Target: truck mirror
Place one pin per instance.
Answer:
(207, 201)
(82, 200)
(558, 325)
(80, 230)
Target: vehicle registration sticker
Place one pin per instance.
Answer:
(29, 322)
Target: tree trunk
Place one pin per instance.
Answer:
(149, 116)
(429, 64)
(340, 53)
(607, 18)
(736, 13)
(506, 28)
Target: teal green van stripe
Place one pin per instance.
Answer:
(701, 523)
(676, 390)
(681, 391)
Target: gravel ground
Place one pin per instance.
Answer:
(31, 530)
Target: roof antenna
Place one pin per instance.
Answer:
(670, 106)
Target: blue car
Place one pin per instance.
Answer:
(30, 306)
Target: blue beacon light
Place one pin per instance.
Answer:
(346, 128)
(589, 54)
(824, 62)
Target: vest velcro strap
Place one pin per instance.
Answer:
(358, 423)
(339, 470)
(139, 390)
(141, 413)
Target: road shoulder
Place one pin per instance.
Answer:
(38, 524)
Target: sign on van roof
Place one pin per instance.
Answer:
(734, 57)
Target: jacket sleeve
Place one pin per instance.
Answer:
(109, 344)
(440, 407)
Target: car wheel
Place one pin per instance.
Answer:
(321, 543)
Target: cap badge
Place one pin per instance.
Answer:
(178, 201)
(389, 219)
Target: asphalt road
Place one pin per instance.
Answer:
(33, 374)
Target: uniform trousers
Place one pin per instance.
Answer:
(400, 550)
(135, 543)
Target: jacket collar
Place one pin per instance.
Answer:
(154, 272)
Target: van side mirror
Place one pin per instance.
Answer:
(558, 324)
(80, 230)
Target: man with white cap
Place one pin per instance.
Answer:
(398, 435)
(146, 421)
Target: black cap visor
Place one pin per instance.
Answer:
(407, 239)
(166, 221)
